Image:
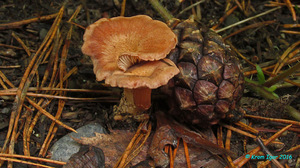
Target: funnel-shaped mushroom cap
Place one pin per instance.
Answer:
(118, 43)
(150, 74)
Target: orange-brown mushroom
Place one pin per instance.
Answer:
(120, 42)
(130, 52)
(141, 78)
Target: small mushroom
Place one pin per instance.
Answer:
(129, 52)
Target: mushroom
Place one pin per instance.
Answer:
(130, 52)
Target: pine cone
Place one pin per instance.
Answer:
(210, 82)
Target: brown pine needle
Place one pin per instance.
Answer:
(290, 32)
(99, 99)
(243, 132)
(283, 56)
(186, 153)
(122, 160)
(33, 158)
(14, 47)
(246, 127)
(243, 160)
(49, 115)
(246, 20)
(292, 10)
(139, 148)
(259, 24)
(273, 119)
(221, 20)
(291, 25)
(23, 22)
(6, 80)
(123, 8)
(22, 44)
(171, 153)
(293, 149)
(24, 162)
(64, 89)
(227, 146)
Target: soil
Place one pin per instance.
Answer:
(262, 45)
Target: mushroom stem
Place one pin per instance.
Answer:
(139, 97)
(142, 98)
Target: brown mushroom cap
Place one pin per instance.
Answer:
(117, 43)
(150, 74)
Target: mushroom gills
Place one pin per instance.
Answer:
(125, 61)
